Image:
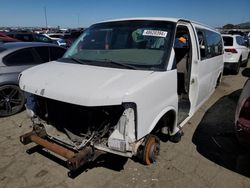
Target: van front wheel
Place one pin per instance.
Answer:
(151, 149)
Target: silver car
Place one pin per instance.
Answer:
(14, 58)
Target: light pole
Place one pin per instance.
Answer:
(45, 15)
(78, 20)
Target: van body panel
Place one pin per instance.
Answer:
(82, 84)
(160, 86)
(110, 87)
(209, 71)
(194, 81)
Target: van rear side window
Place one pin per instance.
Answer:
(210, 43)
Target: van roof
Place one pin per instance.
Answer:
(158, 19)
(144, 18)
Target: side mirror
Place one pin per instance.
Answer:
(202, 47)
(246, 72)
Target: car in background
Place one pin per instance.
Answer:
(57, 37)
(236, 52)
(14, 58)
(245, 36)
(72, 36)
(30, 37)
(4, 38)
(242, 115)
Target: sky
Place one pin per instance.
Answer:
(83, 13)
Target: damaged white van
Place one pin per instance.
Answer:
(122, 86)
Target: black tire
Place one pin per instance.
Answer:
(218, 81)
(245, 64)
(237, 67)
(177, 137)
(11, 100)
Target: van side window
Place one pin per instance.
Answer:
(214, 44)
(202, 45)
(210, 43)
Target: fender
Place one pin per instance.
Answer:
(9, 79)
(160, 115)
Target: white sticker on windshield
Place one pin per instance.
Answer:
(155, 33)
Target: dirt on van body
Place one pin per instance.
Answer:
(207, 156)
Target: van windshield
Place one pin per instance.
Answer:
(141, 44)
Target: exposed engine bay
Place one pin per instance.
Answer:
(109, 128)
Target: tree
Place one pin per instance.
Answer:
(228, 26)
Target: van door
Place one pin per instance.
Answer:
(187, 69)
(210, 63)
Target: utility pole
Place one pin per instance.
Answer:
(45, 15)
(78, 20)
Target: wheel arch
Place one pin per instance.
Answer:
(240, 58)
(168, 115)
(9, 79)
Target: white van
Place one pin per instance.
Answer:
(122, 86)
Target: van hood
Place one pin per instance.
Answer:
(84, 85)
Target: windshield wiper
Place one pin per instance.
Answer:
(79, 61)
(86, 61)
(119, 64)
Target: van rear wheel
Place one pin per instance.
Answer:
(151, 149)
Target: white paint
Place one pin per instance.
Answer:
(154, 93)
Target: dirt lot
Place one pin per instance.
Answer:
(207, 156)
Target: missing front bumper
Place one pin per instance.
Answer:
(74, 159)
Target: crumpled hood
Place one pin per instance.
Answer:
(81, 84)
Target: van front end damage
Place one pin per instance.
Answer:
(79, 133)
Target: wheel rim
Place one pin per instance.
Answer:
(151, 150)
(11, 100)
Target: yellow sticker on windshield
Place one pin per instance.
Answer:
(155, 33)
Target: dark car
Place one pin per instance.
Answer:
(69, 38)
(14, 58)
(4, 38)
(30, 37)
(242, 115)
